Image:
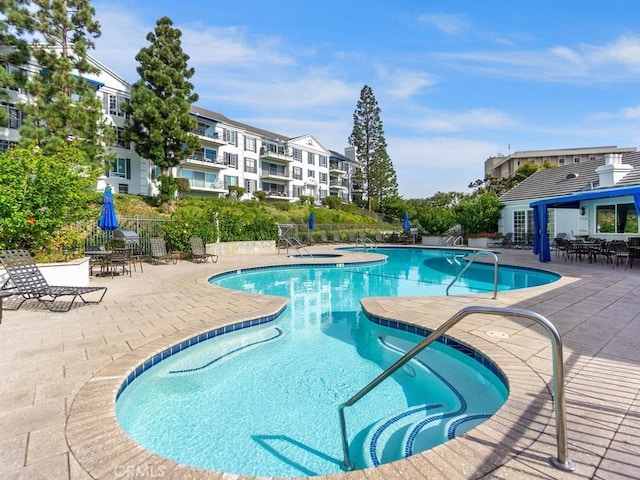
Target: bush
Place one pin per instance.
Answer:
(332, 202)
(40, 194)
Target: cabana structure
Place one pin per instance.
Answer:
(596, 198)
(580, 201)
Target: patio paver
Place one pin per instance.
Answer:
(59, 372)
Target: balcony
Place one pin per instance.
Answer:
(337, 168)
(207, 186)
(199, 159)
(208, 135)
(279, 154)
(338, 185)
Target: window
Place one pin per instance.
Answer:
(576, 160)
(323, 177)
(322, 160)
(210, 155)
(297, 191)
(230, 180)
(297, 154)
(120, 141)
(199, 179)
(231, 160)
(231, 137)
(311, 174)
(560, 161)
(297, 173)
(114, 104)
(14, 116)
(250, 144)
(250, 186)
(120, 167)
(250, 165)
(274, 189)
(6, 145)
(123, 188)
(522, 225)
(618, 218)
(311, 158)
(273, 170)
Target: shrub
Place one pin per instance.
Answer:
(332, 202)
(40, 194)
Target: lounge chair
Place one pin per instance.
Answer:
(199, 251)
(506, 242)
(26, 280)
(159, 251)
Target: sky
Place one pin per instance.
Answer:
(456, 82)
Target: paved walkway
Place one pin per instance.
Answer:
(59, 373)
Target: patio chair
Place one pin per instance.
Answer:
(506, 242)
(26, 280)
(199, 251)
(117, 262)
(159, 251)
(621, 254)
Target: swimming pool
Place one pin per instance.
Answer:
(263, 401)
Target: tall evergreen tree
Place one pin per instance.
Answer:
(63, 107)
(14, 49)
(161, 99)
(378, 174)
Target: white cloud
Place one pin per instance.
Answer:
(447, 23)
(613, 62)
(403, 83)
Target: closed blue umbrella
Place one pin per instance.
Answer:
(312, 221)
(405, 223)
(108, 220)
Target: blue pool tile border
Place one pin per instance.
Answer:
(444, 340)
(297, 265)
(173, 349)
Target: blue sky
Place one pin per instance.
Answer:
(457, 82)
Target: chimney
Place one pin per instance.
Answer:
(613, 169)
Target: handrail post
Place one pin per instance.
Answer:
(562, 462)
(464, 269)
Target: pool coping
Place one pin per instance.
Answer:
(98, 443)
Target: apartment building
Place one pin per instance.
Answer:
(506, 166)
(231, 153)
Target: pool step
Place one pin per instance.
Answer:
(385, 440)
(227, 346)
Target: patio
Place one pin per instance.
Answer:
(57, 372)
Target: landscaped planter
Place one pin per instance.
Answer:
(480, 242)
(243, 248)
(433, 241)
(73, 273)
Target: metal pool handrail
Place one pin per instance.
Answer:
(562, 461)
(495, 271)
(364, 242)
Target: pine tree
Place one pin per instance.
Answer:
(63, 107)
(161, 99)
(378, 174)
(14, 50)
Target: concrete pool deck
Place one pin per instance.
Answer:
(59, 372)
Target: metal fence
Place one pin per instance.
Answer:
(146, 228)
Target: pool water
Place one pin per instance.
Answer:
(263, 401)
